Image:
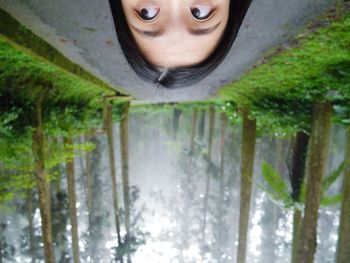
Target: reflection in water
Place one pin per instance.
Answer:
(177, 177)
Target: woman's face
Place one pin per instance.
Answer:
(176, 33)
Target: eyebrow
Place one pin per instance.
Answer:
(205, 31)
(196, 32)
(156, 33)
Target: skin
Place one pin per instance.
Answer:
(175, 38)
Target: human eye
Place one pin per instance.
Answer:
(201, 12)
(148, 13)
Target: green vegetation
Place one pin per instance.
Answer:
(318, 65)
(19, 34)
(295, 91)
(282, 90)
(24, 78)
(279, 193)
(70, 106)
(18, 166)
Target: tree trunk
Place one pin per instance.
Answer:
(318, 150)
(297, 177)
(193, 130)
(124, 153)
(247, 167)
(192, 144)
(176, 121)
(89, 182)
(207, 189)
(50, 142)
(223, 124)
(41, 178)
(30, 224)
(110, 141)
(297, 219)
(201, 126)
(297, 173)
(279, 157)
(68, 144)
(48, 192)
(343, 249)
(188, 190)
(59, 168)
(269, 220)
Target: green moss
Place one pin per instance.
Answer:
(23, 73)
(316, 69)
(281, 92)
(18, 33)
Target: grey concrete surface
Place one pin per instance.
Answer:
(83, 31)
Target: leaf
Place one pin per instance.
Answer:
(285, 203)
(278, 188)
(270, 193)
(331, 200)
(332, 177)
(326, 184)
(274, 181)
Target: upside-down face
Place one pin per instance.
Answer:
(176, 33)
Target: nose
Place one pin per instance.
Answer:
(176, 11)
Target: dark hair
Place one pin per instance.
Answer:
(179, 76)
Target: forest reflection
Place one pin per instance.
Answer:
(171, 183)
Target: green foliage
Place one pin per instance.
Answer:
(283, 89)
(6, 129)
(16, 154)
(5, 198)
(331, 178)
(24, 76)
(272, 124)
(278, 191)
(342, 115)
(118, 108)
(12, 29)
(268, 123)
(71, 106)
(331, 200)
(230, 109)
(76, 150)
(71, 121)
(301, 67)
(18, 167)
(68, 101)
(327, 182)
